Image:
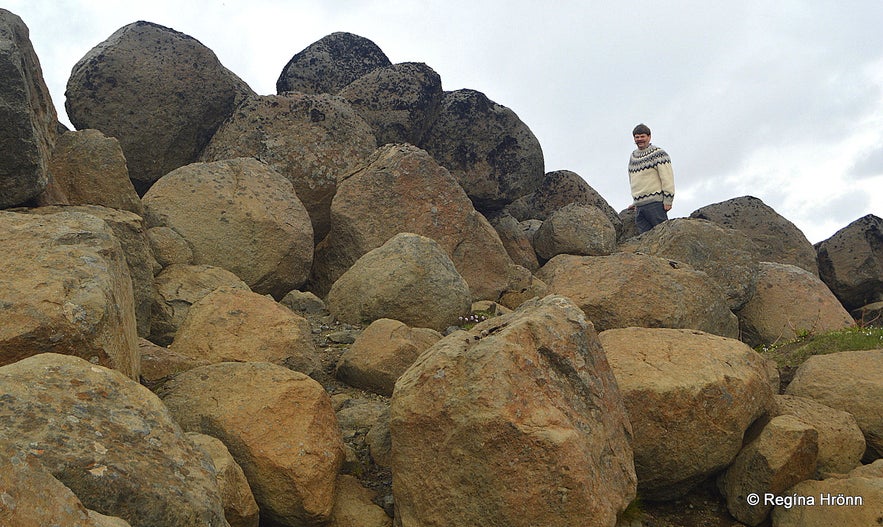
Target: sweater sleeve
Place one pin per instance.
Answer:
(667, 181)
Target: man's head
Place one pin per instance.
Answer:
(641, 134)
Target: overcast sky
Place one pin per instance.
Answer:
(778, 100)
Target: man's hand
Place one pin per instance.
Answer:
(631, 207)
(666, 207)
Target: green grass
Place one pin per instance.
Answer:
(791, 354)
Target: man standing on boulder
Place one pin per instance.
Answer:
(652, 181)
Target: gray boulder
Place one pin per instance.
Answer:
(28, 124)
(575, 229)
(489, 150)
(330, 63)
(172, 90)
(851, 262)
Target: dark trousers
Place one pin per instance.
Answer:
(649, 216)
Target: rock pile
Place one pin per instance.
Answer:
(360, 301)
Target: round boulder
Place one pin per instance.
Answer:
(238, 214)
(575, 229)
(851, 262)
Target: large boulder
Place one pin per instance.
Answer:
(66, 289)
(841, 443)
(778, 239)
(516, 239)
(240, 508)
(128, 228)
(178, 287)
(28, 122)
(789, 301)
(856, 499)
(783, 454)
(238, 214)
(108, 439)
(517, 422)
(237, 325)
(624, 289)
(278, 425)
(410, 278)
(560, 188)
(172, 90)
(398, 101)
(575, 229)
(89, 168)
(851, 262)
(401, 188)
(330, 63)
(851, 381)
(491, 152)
(690, 397)
(726, 255)
(312, 140)
(382, 353)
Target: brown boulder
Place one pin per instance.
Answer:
(489, 150)
(66, 289)
(851, 262)
(854, 500)
(851, 381)
(240, 509)
(354, 506)
(409, 278)
(178, 287)
(777, 239)
(172, 89)
(624, 290)
(515, 239)
(690, 397)
(397, 101)
(89, 168)
(108, 439)
(727, 255)
(330, 63)
(238, 214)
(575, 229)
(278, 425)
(312, 140)
(789, 301)
(236, 325)
(402, 189)
(517, 422)
(28, 127)
(382, 353)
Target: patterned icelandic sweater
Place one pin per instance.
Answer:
(651, 176)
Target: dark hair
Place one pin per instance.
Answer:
(641, 129)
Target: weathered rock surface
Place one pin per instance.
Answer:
(330, 63)
(172, 89)
(557, 189)
(410, 278)
(168, 246)
(778, 239)
(789, 301)
(89, 168)
(401, 188)
(726, 255)
(382, 353)
(851, 381)
(854, 500)
(624, 290)
(313, 140)
(278, 425)
(178, 287)
(841, 443)
(238, 214)
(108, 439)
(236, 325)
(690, 397)
(28, 125)
(575, 229)
(240, 509)
(783, 454)
(489, 150)
(399, 102)
(159, 363)
(354, 506)
(516, 240)
(851, 262)
(526, 425)
(66, 289)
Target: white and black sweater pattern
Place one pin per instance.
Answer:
(651, 176)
